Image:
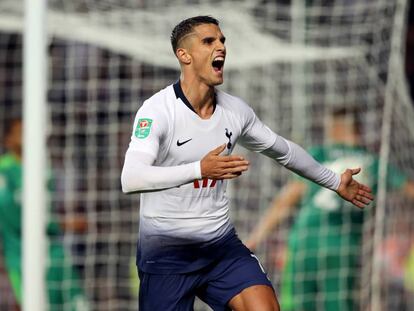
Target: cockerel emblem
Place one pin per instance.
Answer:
(228, 135)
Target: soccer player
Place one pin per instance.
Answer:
(180, 159)
(61, 296)
(321, 270)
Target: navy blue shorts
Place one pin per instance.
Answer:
(215, 284)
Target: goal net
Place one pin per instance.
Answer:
(293, 62)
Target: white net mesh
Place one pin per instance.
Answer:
(290, 60)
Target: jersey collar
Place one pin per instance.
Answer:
(180, 94)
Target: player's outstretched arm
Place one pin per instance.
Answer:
(295, 158)
(350, 190)
(216, 166)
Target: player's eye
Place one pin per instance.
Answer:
(208, 40)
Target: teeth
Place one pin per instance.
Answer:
(219, 58)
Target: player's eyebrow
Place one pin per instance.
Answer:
(211, 39)
(208, 39)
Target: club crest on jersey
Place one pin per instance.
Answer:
(143, 128)
(228, 135)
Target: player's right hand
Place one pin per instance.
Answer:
(216, 166)
(351, 190)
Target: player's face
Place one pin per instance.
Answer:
(208, 53)
(14, 138)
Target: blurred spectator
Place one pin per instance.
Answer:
(61, 296)
(395, 251)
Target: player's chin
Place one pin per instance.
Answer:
(217, 77)
(217, 80)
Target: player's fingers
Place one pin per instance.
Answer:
(363, 199)
(366, 194)
(365, 188)
(357, 203)
(355, 171)
(230, 175)
(241, 168)
(230, 164)
(230, 158)
(231, 171)
(218, 150)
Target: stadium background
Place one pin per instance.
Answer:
(289, 59)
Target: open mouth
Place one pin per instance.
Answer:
(218, 63)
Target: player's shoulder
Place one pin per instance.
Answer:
(162, 98)
(232, 103)
(161, 103)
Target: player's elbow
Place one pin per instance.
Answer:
(131, 182)
(124, 186)
(135, 176)
(126, 183)
(125, 189)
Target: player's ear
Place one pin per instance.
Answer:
(183, 56)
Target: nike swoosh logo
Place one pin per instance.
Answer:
(180, 143)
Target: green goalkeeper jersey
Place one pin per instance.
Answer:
(10, 210)
(325, 238)
(61, 297)
(322, 210)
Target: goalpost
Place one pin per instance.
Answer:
(34, 156)
(290, 60)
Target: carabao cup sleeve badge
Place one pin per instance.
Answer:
(143, 128)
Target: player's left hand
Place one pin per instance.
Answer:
(349, 189)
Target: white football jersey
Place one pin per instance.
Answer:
(167, 127)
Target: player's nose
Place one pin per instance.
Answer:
(220, 46)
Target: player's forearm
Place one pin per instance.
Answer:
(138, 174)
(295, 158)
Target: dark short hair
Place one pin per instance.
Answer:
(10, 123)
(352, 110)
(186, 26)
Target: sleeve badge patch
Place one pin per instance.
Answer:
(143, 128)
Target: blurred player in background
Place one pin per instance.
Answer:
(324, 244)
(180, 158)
(59, 271)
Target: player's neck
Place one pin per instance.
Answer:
(200, 95)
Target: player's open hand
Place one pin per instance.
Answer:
(216, 166)
(349, 189)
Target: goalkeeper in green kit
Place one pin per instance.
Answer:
(324, 244)
(60, 296)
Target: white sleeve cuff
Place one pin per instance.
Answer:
(197, 170)
(336, 182)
